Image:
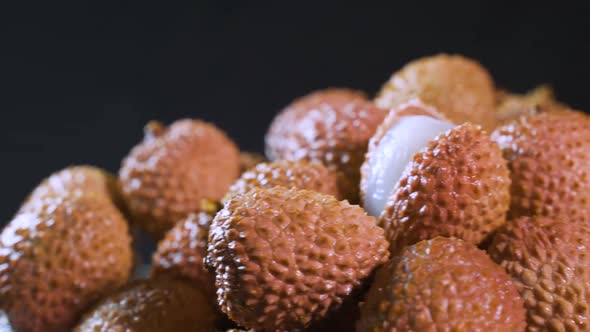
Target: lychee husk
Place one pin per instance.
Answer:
(175, 171)
(285, 258)
(458, 87)
(151, 305)
(331, 126)
(181, 252)
(548, 156)
(548, 260)
(510, 106)
(442, 284)
(289, 174)
(458, 186)
(59, 255)
(249, 160)
(77, 180)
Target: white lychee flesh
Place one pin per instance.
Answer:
(393, 153)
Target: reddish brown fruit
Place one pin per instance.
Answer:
(458, 87)
(458, 187)
(176, 171)
(180, 254)
(411, 108)
(549, 160)
(249, 160)
(510, 106)
(151, 306)
(289, 174)
(443, 284)
(58, 256)
(331, 126)
(548, 258)
(285, 259)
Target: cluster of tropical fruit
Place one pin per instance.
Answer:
(443, 204)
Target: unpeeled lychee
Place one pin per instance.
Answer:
(181, 252)
(548, 156)
(289, 174)
(442, 284)
(151, 306)
(548, 258)
(59, 255)
(175, 171)
(286, 258)
(458, 87)
(77, 180)
(330, 126)
(510, 106)
(249, 160)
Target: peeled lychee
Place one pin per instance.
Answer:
(442, 284)
(424, 177)
(458, 87)
(286, 258)
(549, 160)
(176, 171)
(289, 174)
(405, 131)
(181, 252)
(548, 258)
(151, 306)
(331, 126)
(59, 255)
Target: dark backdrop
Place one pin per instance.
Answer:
(80, 80)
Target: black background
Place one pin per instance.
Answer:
(79, 80)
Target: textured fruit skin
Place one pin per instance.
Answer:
(151, 306)
(289, 174)
(548, 259)
(249, 160)
(411, 108)
(443, 284)
(549, 159)
(174, 170)
(284, 258)
(458, 186)
(77, 180)
(181, 253)
(510, 106)
(330, 126)
(58, 256)
(460, 88)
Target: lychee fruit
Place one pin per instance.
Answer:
(286, 258)
(181, 252)
(425, 177)
(289, 174)
(330, 126)
(175, 171)
(442, 284)
(58, 256)
(548, 258)
(548, 156)
(78, 180)
(510, 106)
(459, 87)
(151, 306)
(249, 160)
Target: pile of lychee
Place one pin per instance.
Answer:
(443, 204)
